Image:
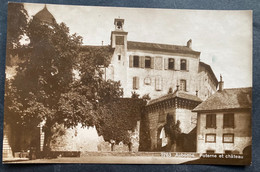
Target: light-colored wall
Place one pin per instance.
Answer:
(169, 77)
(119, 70)
(242, 133)
(187, 120)
(205, 85)
(87, 139)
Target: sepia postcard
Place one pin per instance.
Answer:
(89, 84)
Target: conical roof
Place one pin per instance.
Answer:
(45, 16)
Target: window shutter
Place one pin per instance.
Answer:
(152, 62)
(158, 83)
(232, 120)
(187, 64)
(214, 120)
(187, 85)
(134, 82)
(137, 83)
(177, 64)
(130, 61)
(165, 63)
(142, 61)
(208, 121)
(225, 120)
(158, 63)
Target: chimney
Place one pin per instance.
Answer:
(220, 84)
(189, 44)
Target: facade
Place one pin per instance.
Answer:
(224, 121)
(151, 68)
(178, 105)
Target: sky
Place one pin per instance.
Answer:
(224, 38)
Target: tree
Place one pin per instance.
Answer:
(45, 75)
(16, 28)
(118, 119)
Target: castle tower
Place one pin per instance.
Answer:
(45, 16)
(119, 36)
(119, 62)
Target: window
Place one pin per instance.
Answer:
(171, 63)
(158, 83)
(136, 61)
(135, 83)
(119, 40)
(147, 62)
(228, 120)
(119, 57)
(210, 138)
(228, 138)
(183, 64)
(211, 121)
(183, 85)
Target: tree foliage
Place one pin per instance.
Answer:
(16, 27)
(119, 117)
(44, 76)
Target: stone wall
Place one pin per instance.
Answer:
(157, 120)
(87, 140)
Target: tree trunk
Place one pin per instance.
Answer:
(130, 146)
(112, 146)
(47, 141)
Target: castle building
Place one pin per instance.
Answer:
(157, 70)
(151, 68)
(154, 69)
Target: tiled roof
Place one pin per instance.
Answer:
(161, 47)
(235, 98)
(179, 94)
(208, 68)
(45, 16)
(103, 54)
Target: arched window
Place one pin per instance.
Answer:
(183, 64)
(171, 63)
